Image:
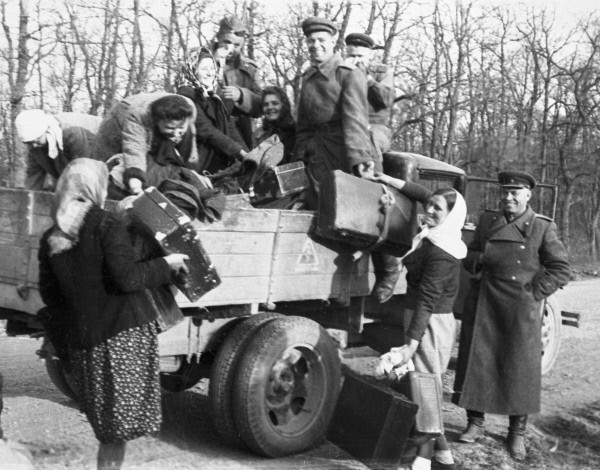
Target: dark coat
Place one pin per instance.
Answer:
(97, 286)
(245, 75)
(78, 135)
(218, 140)
(499, 362)
(332, 128)
(432, 284)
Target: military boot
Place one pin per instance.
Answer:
(388, 273)
(516, 437)
(474, 430)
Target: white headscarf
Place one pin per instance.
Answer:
(447, 235)
(33, 123)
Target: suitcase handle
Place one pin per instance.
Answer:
(386, 220)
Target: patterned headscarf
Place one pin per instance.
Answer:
(82, 184)
(188, 75)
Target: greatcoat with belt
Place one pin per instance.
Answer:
(332, 130)
(499, 361)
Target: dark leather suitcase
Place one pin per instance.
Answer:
(401, 165)
(350, 211)
(425, 390)
(283, 180)
(173, 230)
(371, 421)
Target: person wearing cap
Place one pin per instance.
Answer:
(332, 130)
(518, 261)
(380, 94)
(53, 141)
(242, 84)
(380, 82)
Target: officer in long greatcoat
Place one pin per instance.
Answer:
(332, 131)
(519, 261)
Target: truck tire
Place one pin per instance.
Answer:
(223, 375)
(551, 332)
(58, 372)
(288, 383)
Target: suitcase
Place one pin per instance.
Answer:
(371, 421)
(425, 390)
(350, 211)
(283, 180)
(173, 230)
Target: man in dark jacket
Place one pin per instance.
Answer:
(380, 93)
(240, 76)
(380, 82)
(519, 261)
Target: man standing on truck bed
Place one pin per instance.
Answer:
(332, 130)
(380, 92)
(519, 261)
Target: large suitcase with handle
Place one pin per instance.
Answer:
(350, 211)
(173, 230)
(372, 422)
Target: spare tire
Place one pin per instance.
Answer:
(288, 383)
(551, 332)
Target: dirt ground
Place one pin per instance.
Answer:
(565, 435)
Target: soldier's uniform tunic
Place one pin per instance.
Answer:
(381, 96)
(499, 363)
(332, 128)
(246, 77)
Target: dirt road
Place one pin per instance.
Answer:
(564, 435)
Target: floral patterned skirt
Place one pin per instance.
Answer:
(119, 383)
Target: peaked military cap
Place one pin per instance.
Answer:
(361, 40)
(516, 179)
(314, 23)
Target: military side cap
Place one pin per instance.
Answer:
(361, 40)
(516, 179)
(231, 25)
(310, 25)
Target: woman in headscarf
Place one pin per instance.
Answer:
(91, 279)
(219, 142)
(433, 274)
(53, 141)
(277, 120)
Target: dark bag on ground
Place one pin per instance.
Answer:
(173, 230)
(371, 421)
(350, 211)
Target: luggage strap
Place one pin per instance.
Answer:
(386, 219)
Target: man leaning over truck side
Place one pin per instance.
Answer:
(53, 141)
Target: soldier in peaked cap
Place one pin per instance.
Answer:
(332, 127)
(242, 84)
(519, 261)
(380, 82)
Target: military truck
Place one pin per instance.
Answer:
(265, 336)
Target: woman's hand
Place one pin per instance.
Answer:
(135, 186)
(243, 154)
(232, 93)
(176, 262)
